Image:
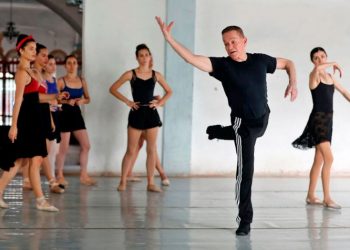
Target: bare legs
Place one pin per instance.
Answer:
(133, 148)
(61, 156)
(130, 155)
(322, 164)
(6, 178)
(34, 176)
(48, 172)
(47, 169)
(83, 139)
(25, 172)
(159, 168)
(151, 139)
(314, 174)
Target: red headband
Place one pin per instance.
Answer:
(23, 41)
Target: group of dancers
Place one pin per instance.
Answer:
(48, 111)
(45, 111)
(243, 76)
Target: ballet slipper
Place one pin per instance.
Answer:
(121, 187)
(43, 205)
(153, 188)
(55, 187)
(166, 182)
(3, 204)
(331, 205)
(314, 201)
(133, 179)
(88, 181)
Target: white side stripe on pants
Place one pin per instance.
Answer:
(236, 126)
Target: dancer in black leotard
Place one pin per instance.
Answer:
(143, 115)
(318, 131)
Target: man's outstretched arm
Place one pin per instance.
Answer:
(201, 62)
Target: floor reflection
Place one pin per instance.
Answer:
(193, 213)
(319, 223)
(243, 243)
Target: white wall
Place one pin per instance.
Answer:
(290, 29)
(112, 29)
(287, 28)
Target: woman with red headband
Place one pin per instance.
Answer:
(26, 131)
(49, 123)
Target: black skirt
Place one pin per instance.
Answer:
(46, 118)
(31, 137)
(56, 134)
(71, 119)
(7, 149)
(318, 129)
(144, 118)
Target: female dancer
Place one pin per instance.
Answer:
(26, 131)
(143, 115)
(318, 131)
(71, 120)
(49, 124)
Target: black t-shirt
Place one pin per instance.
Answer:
(245, 83)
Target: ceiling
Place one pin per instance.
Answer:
(32, 17)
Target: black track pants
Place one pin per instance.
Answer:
(246, 132)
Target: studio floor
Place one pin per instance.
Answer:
(192, 213)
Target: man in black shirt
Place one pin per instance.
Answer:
(243, 76)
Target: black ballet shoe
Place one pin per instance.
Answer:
(220, 132)
(243, 229)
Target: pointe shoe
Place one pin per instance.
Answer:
(43, 205)
(3, 204)
(166, 182)
(26, 184)
(331, 205)
(133, 179)
(88, 182)
(153, 188)
(315, 202)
